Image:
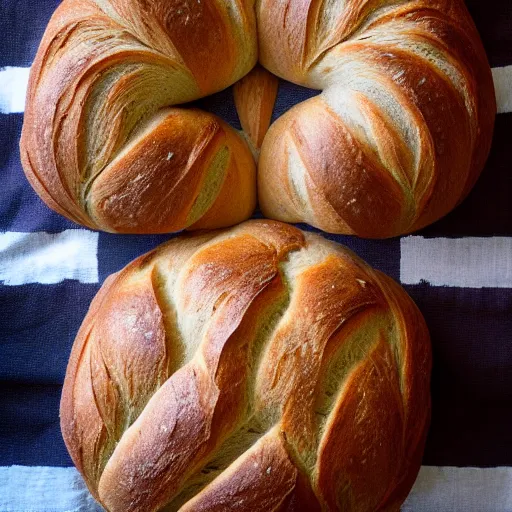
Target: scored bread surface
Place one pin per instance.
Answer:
(259, 368)
(396, 139)
(103, 140)
(404, 123)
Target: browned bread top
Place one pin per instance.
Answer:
(259, 368)
(396, 140)
(99, 143)
(403, 126)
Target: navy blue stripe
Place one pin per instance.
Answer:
(116, 251)
(21, 209)
(38, 324)
(471, 383)
(471, 332)
(22, 24)
(221, 104)
(29, 425)
(383, 255)
(288, 95)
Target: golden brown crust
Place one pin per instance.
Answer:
(237, 192)
(356, 467)
(260, 481)
(396, 140)
(255, 95)
(403, 126)
(95, 144)
(256, 368)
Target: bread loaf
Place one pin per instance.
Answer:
(403, 126)
(255, 369)
(101, 143)
(395, 141)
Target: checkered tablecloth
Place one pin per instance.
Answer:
(459, 272)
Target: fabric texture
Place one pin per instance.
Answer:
(459, 272)
(44, 489)
(50, 489)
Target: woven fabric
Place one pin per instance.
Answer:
(459, 272)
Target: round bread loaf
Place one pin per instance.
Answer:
(255, 369)
(99, 143)
(403, 126)
(396, 140)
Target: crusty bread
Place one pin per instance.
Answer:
(99, 144)
(395, 141)
(403, 126)
(259, 368)
(255, 95)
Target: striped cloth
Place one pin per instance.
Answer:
(459, 272)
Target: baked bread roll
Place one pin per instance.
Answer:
(403, 126)
(254, 369)
(396, 140)
(255, 95)
(100, 144)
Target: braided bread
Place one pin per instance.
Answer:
(403, 126)
(255, 369)
(395, 141)
(100, 143)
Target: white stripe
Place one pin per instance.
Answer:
(463, 262)
(503, 85)
(446, 489)
(14, 81)
(461, 490)
(48, 258)
(13, 89)
(44, 489)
